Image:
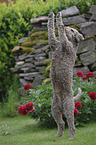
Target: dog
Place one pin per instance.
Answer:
(62, 63)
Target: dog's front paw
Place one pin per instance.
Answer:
(59, 14)
(51, 15)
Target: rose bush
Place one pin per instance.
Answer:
(42, 98)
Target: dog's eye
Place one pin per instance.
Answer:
(72, 30)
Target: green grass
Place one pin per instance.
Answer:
(23, 130)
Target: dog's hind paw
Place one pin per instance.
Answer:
(59, 134)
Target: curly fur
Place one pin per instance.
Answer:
(62, 63)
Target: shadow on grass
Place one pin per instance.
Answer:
(32, 127)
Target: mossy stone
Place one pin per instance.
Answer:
(47, 80)
(27, 49)
(48, 68)
(75, 27)
(48, 61)
(94, 37)
(32, 43)
(39, 35)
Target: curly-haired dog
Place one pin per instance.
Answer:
(62, 63)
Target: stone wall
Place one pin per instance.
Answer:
(34, 67)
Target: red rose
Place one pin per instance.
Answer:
(22, 110)
(27, 87)
(29, 106)
(84, 77)
(89, 74)
(92, 95)
(79, 73)
(78, 105)
(76, 112)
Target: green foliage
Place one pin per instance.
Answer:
(9, 107)
(12, 28)
(88, 110)
(42, 99)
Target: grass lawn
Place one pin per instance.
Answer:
(22, 130)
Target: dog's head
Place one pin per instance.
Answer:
(73, 35)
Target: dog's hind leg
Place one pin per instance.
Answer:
(69, 113)
(57, 114)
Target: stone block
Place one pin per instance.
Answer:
(22, 40)
(37, 51)
(40, 63)
(93, 9)
(40, 58)
(23, 56)
(93, 17)
(29, 59)
(37, 81)
(39, 20)
(41, 55)
(29, 78)
(88, 28)
(28, 69)
(33, 74)
(23, 82)
(41, 71)
(20, 63)
(86, 45)
(74, 20)
(88, 58)
(40, 44)
(46, 49)
(28, 65)
(93, 67)
(40, 68)
(70, 12)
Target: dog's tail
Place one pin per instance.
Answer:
(77, 97)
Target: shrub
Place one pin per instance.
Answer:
(9, 106)
(87, 112)
(12, 28)
(42, 100)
